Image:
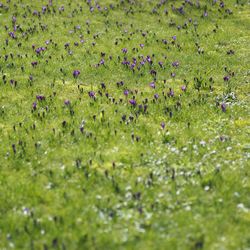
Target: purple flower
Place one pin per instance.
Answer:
(34, 64)
(44, 9)
(222, 5)
(132, 65)
(164, 41)
(13, 19)
(152, 85)
(125, 62)
(153, 72)
(121, 83)
(148, 59)
(40, 97)
(184, 88)
(12, 34)
(102, 62)
(67, 102)
(156, 96)
(61, 8)
(126, 92)
(34, 105)
(226, 78)
(171, 93)
(175, 64)
(160, 64)
(12, 81)
(163, 125)
(91, 94)
(132, 102)
(142, 45)
(223, 107)
(76, 73)
(103, 85)
(38, 50)
(124, 50)
(174, 38)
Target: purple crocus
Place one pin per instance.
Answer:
(132, 102)
(40, 97)
(34, 105)
(183, 88)
(163, 125)
(164, 41)
(91, 94)
(44, 9)
(38, 50)
(174, 38)
(223, 107)
(67, 102)
(153, 72)
(226, 78)
(152, 85)
(222, 5)
(160, 64)
(175, 64)
(124, 50)
(148, 58)
(126, 92)
(34, 64)
(12, 34)
(13, 19)
(76, 73)
(132, 66)
(156, 96)
(171, 93)
(103, 85)
(102, 62)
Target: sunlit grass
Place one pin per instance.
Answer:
(84, 168)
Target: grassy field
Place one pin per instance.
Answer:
(125, 124)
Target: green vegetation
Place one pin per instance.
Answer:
(124, 124)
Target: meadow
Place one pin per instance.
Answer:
(125, 124)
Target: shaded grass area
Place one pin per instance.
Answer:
(171, 172)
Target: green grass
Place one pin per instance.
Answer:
(125, 184)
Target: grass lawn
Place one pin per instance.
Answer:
(125, 124)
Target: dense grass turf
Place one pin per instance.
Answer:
(124, 124)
